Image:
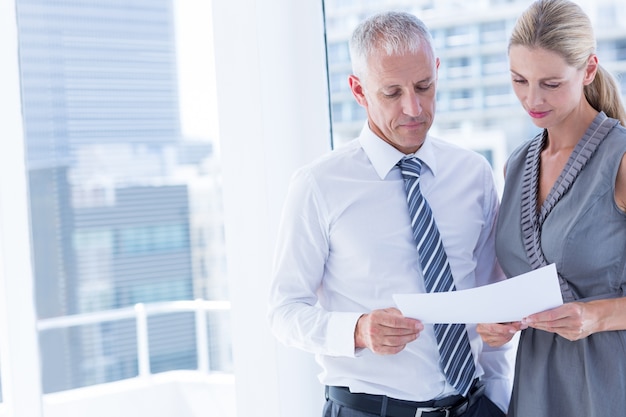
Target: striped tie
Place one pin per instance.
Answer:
(454, 348)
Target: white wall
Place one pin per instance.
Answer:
(273, 117)
(18, 334)
(171, 394)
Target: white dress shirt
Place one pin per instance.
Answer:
(345, 246)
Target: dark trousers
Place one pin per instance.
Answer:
(483, 407)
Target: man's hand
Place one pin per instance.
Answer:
(497, 334)
(386, 331)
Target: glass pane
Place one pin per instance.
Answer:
(219, 332)
(169, 341)
(124, 177)
(476, 105)
(468, 50)
(493, 31)
(90, 354)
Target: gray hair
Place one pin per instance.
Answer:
(394, 33)
(562, 27)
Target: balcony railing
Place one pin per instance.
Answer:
(140, 313)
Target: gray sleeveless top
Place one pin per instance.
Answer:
(581, 230)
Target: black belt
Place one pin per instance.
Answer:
(384, 406)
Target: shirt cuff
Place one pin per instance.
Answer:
(340, 334)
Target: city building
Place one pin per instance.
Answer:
(111, 211)
(476, 106)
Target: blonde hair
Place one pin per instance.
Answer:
(561, 26)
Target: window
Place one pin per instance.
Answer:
(461, 99)
(606, 50)
(459, 67)
(493, 32)
(607, 15)
(496, 64)
(621, 79)
(339, 52)
(497, 96)
(121, 160)
(459, 36)
(620, 50)
(339, 82)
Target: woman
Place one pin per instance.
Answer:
(564, 202)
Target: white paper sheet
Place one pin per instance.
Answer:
(504, 301)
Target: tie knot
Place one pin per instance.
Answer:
(410, 166)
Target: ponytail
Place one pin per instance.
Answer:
(603, 94)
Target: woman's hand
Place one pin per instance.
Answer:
(497, 334)
(573, 321)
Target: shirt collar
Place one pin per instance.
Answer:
(384, 157)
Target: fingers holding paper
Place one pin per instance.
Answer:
(572, 321)
(386, 331)
(498, 334)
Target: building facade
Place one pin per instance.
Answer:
(114, 187)
(476, 106)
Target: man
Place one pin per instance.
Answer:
(347, 243)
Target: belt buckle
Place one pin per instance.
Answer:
(420, 411)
